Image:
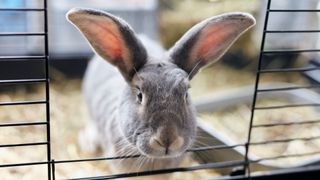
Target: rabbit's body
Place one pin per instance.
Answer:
(100, 82)
(143, 107)
(103, 87)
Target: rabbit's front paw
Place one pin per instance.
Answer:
(88, 139)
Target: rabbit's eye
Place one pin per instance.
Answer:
(139, 96)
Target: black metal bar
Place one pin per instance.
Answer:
(23, 124)
(23, 144)
(288, 70)
(287, 106)
(206, 148)
(290, 51)
(308, 172)
(21, 9)
(22, 34)
(285, 140)
(289, 88)
(23, 164)
(285, 156)
(294, 10)
(53, 169)
(254, 100)
(286, 124)
(22, 103)
(292, 31)
(46, 68)
(22, 81)
(136, 156)
(96, 159)
(166, 171)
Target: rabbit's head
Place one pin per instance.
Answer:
(156, 113)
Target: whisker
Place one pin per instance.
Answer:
(152, 162)
(200, 143)
(203, 156)
(140, 162)
(194, 68)
(137, 73)
(125, 150)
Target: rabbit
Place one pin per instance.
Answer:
(137, 92)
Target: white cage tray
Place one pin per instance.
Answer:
(211, 136)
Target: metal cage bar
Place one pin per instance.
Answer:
(46, 101)
(245, 163)
(47, 89)
(255, 95)
(258, 91)
(165, 171)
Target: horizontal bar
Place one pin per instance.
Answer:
(293, 10)
(23, 124)
(286, 124)
(21, 81)
(22, 34)
(285, 140)
(166, 171)
(22, 164)
(288, 88)
(95, 159)
(292, 31)
(213, 147)
(22, 103)
(22, 9)
(304, 172)
(23, 144)
(289, 70)
(285, 156)
(290, 51)
(286, 106)
(136, 156)
(21, 57)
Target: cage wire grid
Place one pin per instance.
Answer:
(46, 101)
(242, 173)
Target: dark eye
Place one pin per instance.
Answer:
(139, 96)
(186, 96)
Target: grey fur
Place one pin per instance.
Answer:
(166, 111)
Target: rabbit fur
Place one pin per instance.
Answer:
(137, 93)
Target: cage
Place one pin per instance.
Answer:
(233, 160)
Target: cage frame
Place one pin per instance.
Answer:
(310, 172)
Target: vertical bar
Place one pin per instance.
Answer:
(247, 163)
(53, 169)
(47, 86)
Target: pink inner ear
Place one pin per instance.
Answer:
(212, 40)
(110, 41)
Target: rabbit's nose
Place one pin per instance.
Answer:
(167, 144)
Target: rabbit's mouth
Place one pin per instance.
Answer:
(155, 149)
(160, 154)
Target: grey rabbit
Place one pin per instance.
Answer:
(143, 106)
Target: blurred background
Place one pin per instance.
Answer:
(164, 21)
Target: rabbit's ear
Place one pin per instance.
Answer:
(112, 38)
(207, 41)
